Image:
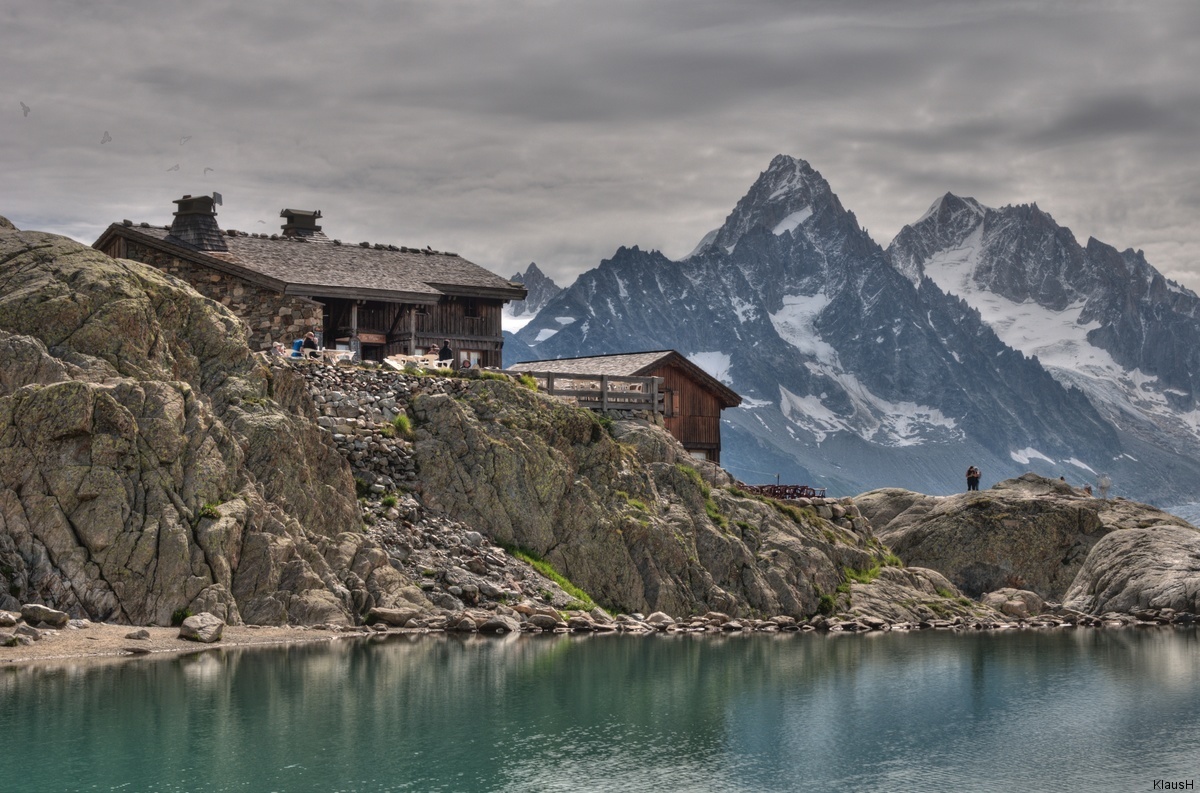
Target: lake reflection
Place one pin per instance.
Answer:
(1065, 710)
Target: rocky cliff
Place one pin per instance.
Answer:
(149, 464)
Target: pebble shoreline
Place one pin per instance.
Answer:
(125, 641)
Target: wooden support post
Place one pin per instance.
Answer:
(604, 392)
(654, 394)
(549, 382)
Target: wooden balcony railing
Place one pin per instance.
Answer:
(602, 391)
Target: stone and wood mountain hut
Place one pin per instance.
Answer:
(386, 299)
(692, 398)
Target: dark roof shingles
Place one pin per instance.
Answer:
(311, 266)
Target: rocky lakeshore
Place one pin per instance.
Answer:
(152, 468)
(80, 640)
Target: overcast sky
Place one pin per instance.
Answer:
(554, 132)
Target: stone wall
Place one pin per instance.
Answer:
(270, 316)
(357, 406)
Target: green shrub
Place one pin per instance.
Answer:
(179, 615)
(482, 375)
(891, 560)
(636, 503)
(528, 381)
(361, 488)
(387, 431)
(209, 510)
(827, 605)
(862, 576)
(694, 475)
(603, 426)
(402, 425)
(945, 593)
(390, 501)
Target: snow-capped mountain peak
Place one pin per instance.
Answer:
(1100, 320)
(783, 198)
(518, 313)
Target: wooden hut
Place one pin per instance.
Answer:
(382, 299)
(692, 399)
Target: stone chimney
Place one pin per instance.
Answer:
(196, 224)
(302, 223)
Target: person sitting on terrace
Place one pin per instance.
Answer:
(310, 349)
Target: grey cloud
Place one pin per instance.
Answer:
(557, 131)
(1121, 114)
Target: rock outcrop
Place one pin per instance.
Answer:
(911, 595)
(149, 463)
(1041, 535)
(1151, 569)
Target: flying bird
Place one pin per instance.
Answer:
(25, 108)
(174, 167)
(262, 221)
(206, 170)
(106, 138)
(184, 139)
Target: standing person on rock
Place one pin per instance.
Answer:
(973, 475)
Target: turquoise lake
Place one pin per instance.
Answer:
(1086, 710)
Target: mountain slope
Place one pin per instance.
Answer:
(1095, 318)
(857, 372)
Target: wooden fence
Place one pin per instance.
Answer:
(784, 492)
(601, 391)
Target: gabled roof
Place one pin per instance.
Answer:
(324, 269)
(633, 364)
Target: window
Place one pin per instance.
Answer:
(471, 309)
(472, 357)
(671, 403)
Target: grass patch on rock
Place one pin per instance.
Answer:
(547, 569)
(402, 425)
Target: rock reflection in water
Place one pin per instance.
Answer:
(929, 711)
